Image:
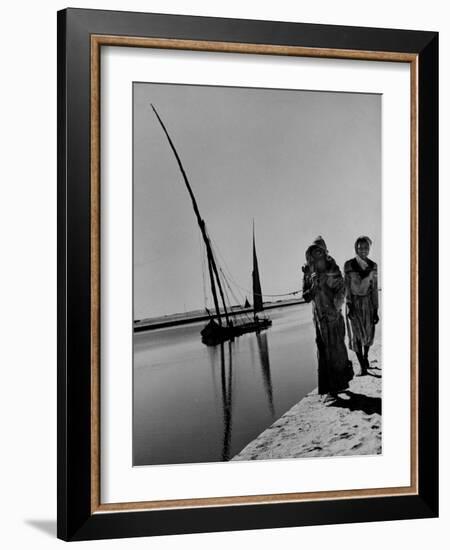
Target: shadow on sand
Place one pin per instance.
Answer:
(359, 402)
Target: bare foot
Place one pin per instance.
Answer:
(343, 395)
(327, 398)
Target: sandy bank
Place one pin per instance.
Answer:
(316, 427)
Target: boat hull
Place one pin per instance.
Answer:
(214, 334)
(255, 326)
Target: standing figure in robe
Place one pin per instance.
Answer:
(361, 296)
(323, 285)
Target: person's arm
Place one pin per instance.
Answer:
(339, 289)
(374, 293)
(347, 286)
(308, 287)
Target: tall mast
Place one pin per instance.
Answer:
(257, 294)
(213, 271)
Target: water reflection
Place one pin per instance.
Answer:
(226, 376)
(194, 403)
(226, 353)
(263, 348)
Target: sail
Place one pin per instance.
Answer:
(212, 267)
(257, 294)
(214, 332)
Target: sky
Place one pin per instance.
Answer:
(298, 163)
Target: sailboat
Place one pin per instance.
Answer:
(257, 324)
(213, 333)
(220, 326)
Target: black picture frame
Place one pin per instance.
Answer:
(76, 521)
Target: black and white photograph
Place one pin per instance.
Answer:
(223, 319)
(257, 293)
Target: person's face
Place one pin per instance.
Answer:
(363, 249)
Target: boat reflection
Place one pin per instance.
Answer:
(263, 348)
(195, 403)
(224, 370)
(226, 378)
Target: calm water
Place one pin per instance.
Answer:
(194, 403)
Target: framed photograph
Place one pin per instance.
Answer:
(247, 254)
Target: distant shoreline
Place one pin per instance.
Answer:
(177, 319)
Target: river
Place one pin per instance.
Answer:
(194, 403)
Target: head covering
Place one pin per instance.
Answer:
(318, 243)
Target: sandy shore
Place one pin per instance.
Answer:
(319, 427)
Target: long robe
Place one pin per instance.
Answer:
(327, 296)
(361, 296)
